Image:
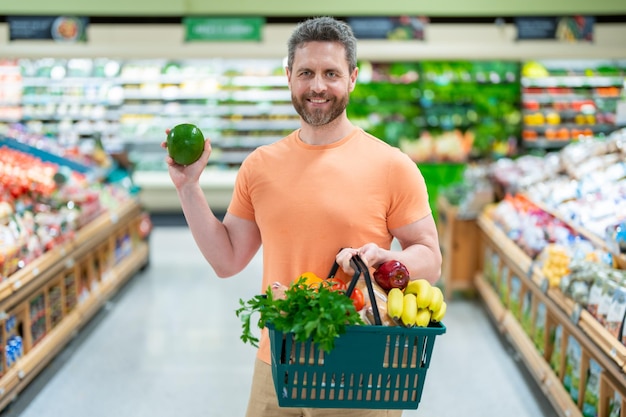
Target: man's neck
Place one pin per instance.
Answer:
(326, 134)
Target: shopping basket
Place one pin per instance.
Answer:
(370, 367)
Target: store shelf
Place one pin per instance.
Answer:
(564, 100)
(78, 276)
(224, 97)
(595, 341)
(574, 81)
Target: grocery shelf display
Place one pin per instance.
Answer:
(68, 241)
(554, 269)
(442, 113)
(564, 100)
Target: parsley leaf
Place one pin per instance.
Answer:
(315, 312)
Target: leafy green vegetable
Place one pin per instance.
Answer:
(318, 312)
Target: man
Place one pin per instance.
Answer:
(326, 186)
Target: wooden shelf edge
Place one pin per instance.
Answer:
(538, 367)
(27, 367)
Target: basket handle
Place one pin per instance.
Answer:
(360, 269)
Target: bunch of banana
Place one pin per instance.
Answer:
(417, 305)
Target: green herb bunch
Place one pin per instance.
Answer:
(317, 312)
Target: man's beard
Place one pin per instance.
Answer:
(319, 117)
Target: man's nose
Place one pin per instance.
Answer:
(318, 84)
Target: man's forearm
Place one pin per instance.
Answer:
(209, 233)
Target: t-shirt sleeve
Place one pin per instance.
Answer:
(241, 202)
(409, 196)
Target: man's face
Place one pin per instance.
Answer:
(320, 82)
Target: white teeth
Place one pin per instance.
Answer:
(318, 101)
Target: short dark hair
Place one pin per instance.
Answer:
(323, 29)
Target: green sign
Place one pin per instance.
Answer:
(223, 29)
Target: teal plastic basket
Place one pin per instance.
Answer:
(371, 367)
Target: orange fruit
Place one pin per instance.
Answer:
(185, 143)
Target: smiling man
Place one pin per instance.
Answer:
(326, 192)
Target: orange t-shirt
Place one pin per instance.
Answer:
(310, 201)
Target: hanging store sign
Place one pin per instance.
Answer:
(57, 28)
(223, 29)
(390, 28)
(569, 28)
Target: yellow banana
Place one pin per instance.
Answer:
(422, 290)
(436, 299)
(409, 310)
(422, 318)
(395, 303)
(439, 314)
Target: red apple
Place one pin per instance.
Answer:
(392, 274)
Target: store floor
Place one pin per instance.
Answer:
(168, 345)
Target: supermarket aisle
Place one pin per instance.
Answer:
(168, 345)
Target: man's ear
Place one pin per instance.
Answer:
(288, 74)
(353, 78)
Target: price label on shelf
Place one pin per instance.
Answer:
(17, 284)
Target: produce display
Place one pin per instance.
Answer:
(564, 100)
(568, 216)
(441, 111)
(43, 204)
(583, 184)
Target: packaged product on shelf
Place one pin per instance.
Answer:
(615, 405)
(492, 266)
(539, 336)
(604, 306)
(554, 261)
(615, 314)
(557, 349)
(615, 236)
(595, 295)
(503, 284)
(592, 390)
(515, 295)
(527, 312)
(571, 378)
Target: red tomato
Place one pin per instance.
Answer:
(358, 299)
(336, 284)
